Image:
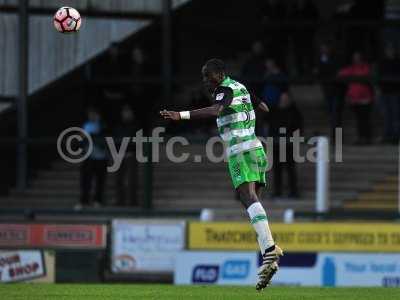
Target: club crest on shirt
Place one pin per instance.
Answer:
(219, 96)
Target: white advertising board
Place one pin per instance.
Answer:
(144, 245)
(21, 265)
(339, 269)
(300, 269)
(212, 267)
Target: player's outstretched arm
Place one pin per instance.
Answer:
(170, 115)
(206, 112)
(202, 113)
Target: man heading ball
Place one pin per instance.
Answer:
(236, 119)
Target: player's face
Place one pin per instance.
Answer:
(211, 79)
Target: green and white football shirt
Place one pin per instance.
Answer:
(236, 125)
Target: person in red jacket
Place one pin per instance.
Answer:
(360, 96)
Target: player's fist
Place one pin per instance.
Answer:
(172, 115)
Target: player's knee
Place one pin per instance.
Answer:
(253, 197)
(248, 198)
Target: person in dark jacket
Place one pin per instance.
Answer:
(275, 83)
(126, 175)
(253, 68)
(285, 120)
(326, 69)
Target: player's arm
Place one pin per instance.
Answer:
(222, 97)
(206, 112)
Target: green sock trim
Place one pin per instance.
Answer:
(258, 218)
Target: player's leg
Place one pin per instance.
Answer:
(257, 214)
(246, 171)
(250, 193)
(251, 170)
(259, 190)
(270, 258)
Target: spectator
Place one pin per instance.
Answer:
(95, 166)
(360, 96)
(254, 68)
(275, 84)
(126, 177)
(389, 69)
(326, 70)
(283, 123)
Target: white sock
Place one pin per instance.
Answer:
(258, 219)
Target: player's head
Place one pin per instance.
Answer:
(213, 72)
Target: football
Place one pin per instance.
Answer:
(67, 19)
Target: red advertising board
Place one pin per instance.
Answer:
(14, 234)
(52, 236)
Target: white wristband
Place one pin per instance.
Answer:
(185, 115)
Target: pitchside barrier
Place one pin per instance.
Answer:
(316, 254)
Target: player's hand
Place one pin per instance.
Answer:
(172, 115)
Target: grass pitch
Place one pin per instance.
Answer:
(166, 292)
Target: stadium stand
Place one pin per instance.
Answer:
(57, 184)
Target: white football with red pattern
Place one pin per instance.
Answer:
(67, 19)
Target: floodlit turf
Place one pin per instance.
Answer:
(165, 292)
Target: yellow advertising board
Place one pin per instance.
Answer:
(308, 237)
